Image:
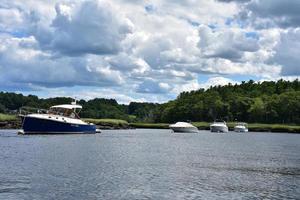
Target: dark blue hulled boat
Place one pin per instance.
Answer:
(60, 119)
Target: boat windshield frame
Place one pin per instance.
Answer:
(65, 112)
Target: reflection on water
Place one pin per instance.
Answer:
(150, 164)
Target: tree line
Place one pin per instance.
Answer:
(263, 102)
(96, 108)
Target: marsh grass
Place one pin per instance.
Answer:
(106, 121)
(150, 125)
(7, 117)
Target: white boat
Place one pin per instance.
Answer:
(183, 127)
(241, 127)
(219, 127)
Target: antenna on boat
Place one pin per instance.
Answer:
(74, 102)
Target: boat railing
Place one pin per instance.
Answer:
(25, 110)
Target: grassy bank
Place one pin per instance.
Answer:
(270, 127)
(274, 128)
(150, 125)
(9, 121)
(255, 127)
(7, 117)
(108, 123)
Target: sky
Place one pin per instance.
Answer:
(151, 50)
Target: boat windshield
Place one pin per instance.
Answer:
(64, 112)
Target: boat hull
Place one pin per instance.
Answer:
(219, 129)
(32, 125)
(242, 130)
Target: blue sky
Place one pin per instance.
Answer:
(144, 50)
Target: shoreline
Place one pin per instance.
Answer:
(115, 124)
(253, 127)
(16, 124)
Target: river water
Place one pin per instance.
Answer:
(149, 164)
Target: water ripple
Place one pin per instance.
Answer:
(149, 164)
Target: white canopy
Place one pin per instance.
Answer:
(67, 106)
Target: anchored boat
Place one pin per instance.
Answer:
(219, 126)
(241, 127)
(183, 127)
(59, 119)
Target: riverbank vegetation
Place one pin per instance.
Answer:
(9, 121)
(150, 125)
(255, 127)
(108, 123)
(7, 117)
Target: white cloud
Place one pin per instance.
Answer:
(229, 43)
(215, 81)
(21, 66)
(188, 86)
(287, 52)
(10, 19)
(142, 50)
(212, 81)
(128, 63)
(151, 86)
(95, 27)
(272, 13)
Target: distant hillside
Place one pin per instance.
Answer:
(266, 102)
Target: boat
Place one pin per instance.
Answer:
(59, 119)
(241, 127)
(183, 127)
(219, 126)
